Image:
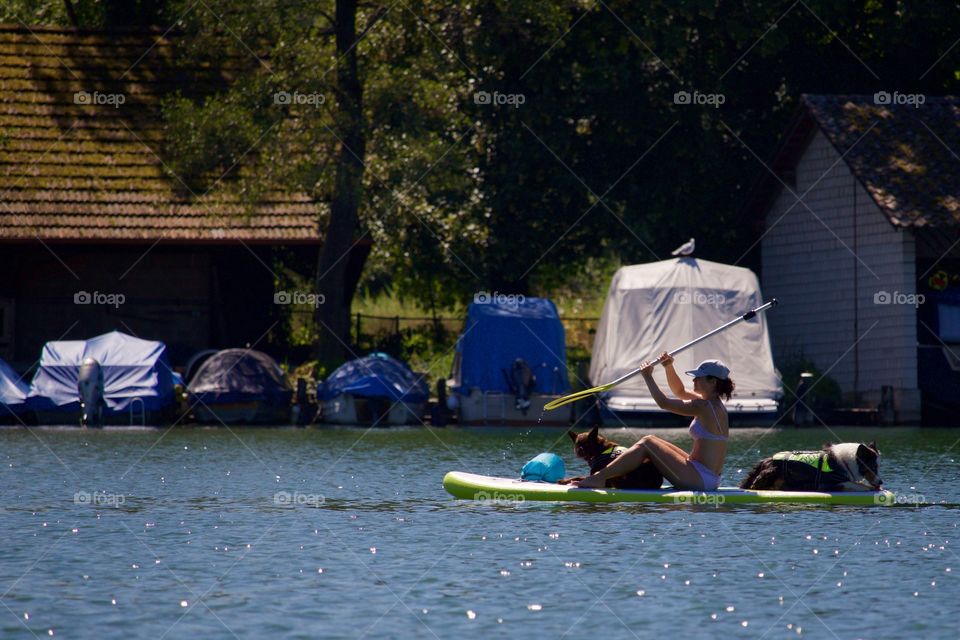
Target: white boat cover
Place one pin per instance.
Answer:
(656, 307)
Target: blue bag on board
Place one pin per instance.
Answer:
(546, 467)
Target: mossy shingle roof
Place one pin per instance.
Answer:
(906, 155)
(77, 166)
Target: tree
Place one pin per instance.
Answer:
(599, 81)
(83, 15)
(460, 194)
(369, 129)
(333, 317)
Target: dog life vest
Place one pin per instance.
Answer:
(809, 470)
(605, 457)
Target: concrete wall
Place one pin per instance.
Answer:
(829, 269)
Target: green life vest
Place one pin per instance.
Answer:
(605, 457)
(816, 459)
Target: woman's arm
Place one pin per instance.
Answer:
(674, 381)
(681, 407)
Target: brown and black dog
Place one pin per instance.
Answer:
(598, 452)
(847, 466)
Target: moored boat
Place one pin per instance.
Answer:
(13, 395)
(373, 390)
(240, 386)
(113, 379)
(651, 307)
(510, 361)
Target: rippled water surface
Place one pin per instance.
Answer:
(208, 533)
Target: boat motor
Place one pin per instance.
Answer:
(522, 381)
(90, 390)
(802, 414)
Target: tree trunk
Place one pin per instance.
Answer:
(71, 14)
(333, 316)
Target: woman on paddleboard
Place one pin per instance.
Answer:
(700, 469)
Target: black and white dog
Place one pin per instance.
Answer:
(847, 466)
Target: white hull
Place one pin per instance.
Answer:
(496, 408)
(644, 412)
(347, 409)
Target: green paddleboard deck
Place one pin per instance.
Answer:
(471, 486)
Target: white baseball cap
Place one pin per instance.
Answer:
(713, 368)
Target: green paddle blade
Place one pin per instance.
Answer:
(573, 397)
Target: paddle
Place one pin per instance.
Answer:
(559, 402)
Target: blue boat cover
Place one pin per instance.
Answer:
(240, 375)
(375, 376)
(498, 332)
(13, 391)
(132, 368)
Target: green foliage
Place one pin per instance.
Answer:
(424, 348)
(599, 160)
(420, 196)
(91, 14)
(32, 12)
(598, 166)
(207, 141)
(581, 290)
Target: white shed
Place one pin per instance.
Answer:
(861, 209)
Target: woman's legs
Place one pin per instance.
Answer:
(669, 459)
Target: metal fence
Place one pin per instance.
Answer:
(366, 328)
(367, 331)
(369, 326)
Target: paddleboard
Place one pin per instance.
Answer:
(472, 486)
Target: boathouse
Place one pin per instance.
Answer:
(98, 233)
(860, 212)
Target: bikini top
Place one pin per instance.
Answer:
(698, 431)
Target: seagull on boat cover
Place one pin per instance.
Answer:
(686, 249)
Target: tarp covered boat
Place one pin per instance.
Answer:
(511, 359)
(138, 385)
(240, 385)
(651, 308)
(374, 389)
(13, 394)
(471, 486)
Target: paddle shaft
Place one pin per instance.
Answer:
(747, 316)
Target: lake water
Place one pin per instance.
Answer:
(348, 533)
